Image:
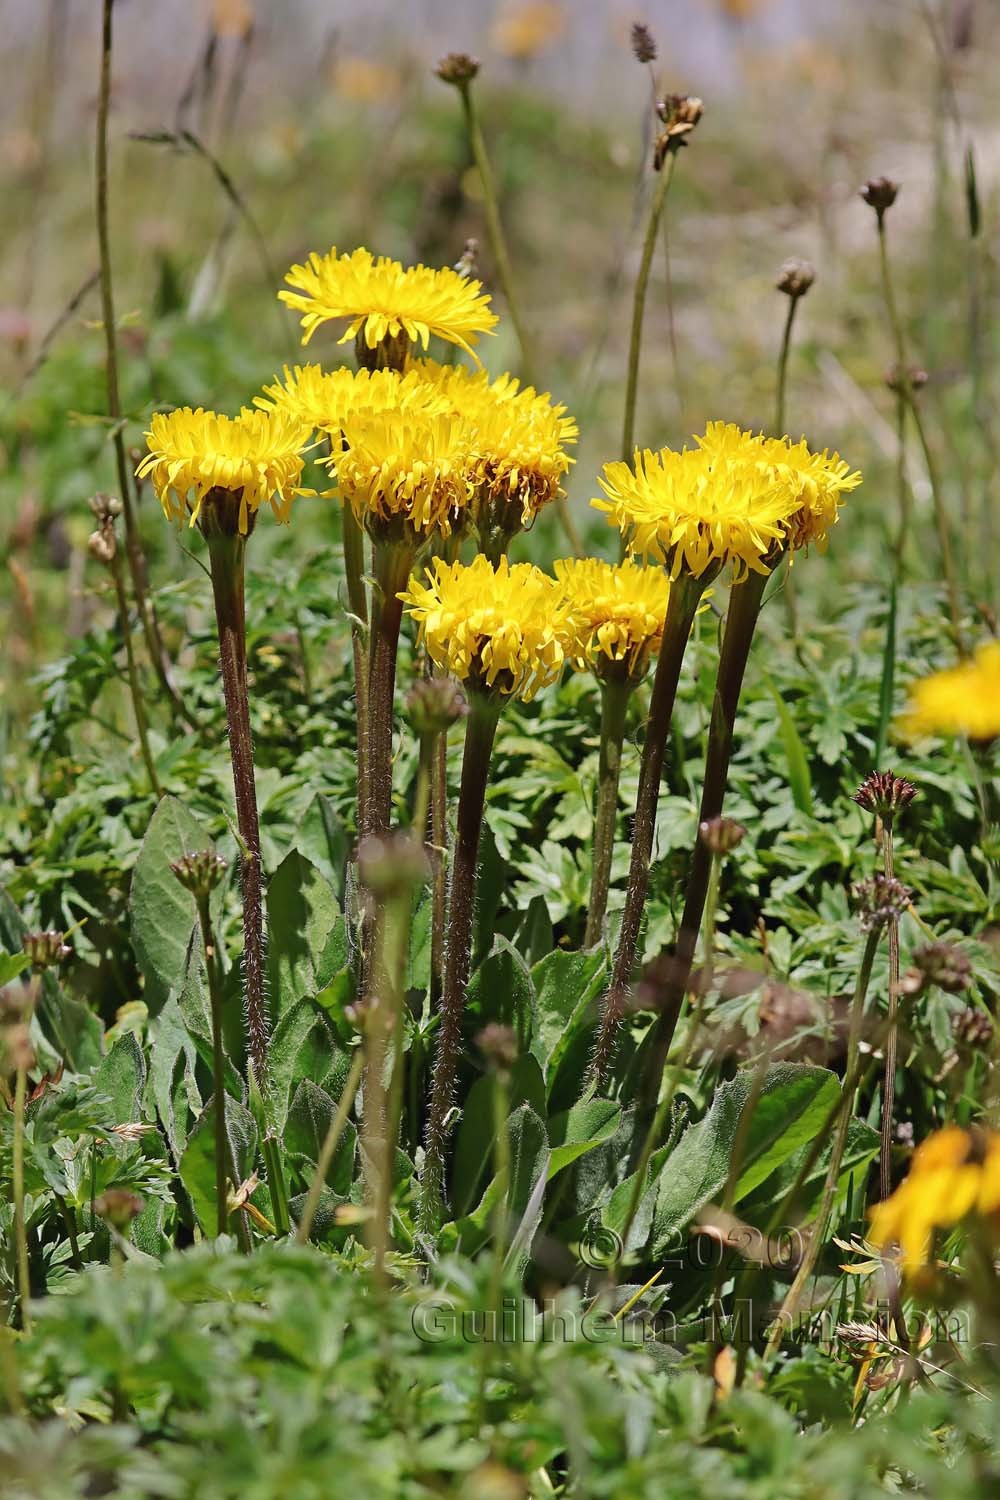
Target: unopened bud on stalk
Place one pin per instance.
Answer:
(457, 68)
(46, 949)
(916, 378)
(680, 114)
(102, 545)
(105, 507)
(643, 45)
(391, 864)
(940, 964)
(498, 1044)
(433, 704)
(199, 873)
(721, 835)
(118, 1207)
(972, 1027)
(884, 793)
(880, 194)
(795, 277)
(880, 900)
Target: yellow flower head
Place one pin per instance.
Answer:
(503, 629)
(617, 610)
(404, 471)
(735, 498)
(960, 700)
(325, 399)
(256, 455)
(954, 1174)
(380, 298)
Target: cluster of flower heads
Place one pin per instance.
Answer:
(960, 700)
(955, 1175)
(735, 498)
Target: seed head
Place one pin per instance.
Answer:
(392, 864)
(118, 1207)
(46, 949)
(880, 900)
(680, 113)
(721, 835)
(199, 873)
(433, 704)
(880, 194)
(457, 68)
(102, 545)
(973, 1027)
(795, 277)
(643, 44)
(498, 1044)
(883, 793)
(940, 964)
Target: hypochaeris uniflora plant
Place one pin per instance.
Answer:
(216, 472)
(954, 1178)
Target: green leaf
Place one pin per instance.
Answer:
(794, 1103)
(566, 986)
(68, 1025)
(501, 990)
(307, 936)
(529, 1159)
(586, 1125)
(197, 1165)
(474, 1145)
(322, 838)
(171, 1085)
(122, 1076)
(799, 779)
(308, 1121)
(12, 964)
(162, 912)
(303, 1046)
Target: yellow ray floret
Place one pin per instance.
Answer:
(504, 628)
(960, 700)
(405, 466)
(380, 298)
(618, 610)
(257, 455)
(325, 399)
(735, 498)
(954, 1174)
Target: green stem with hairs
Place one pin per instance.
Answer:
(353, 538)
(615, 694)
(480, 732)
(685, 593)
(741, 620)
(393, 562)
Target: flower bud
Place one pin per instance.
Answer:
(498, 1044)
(680, 113)
(118, 1207)
(880, 194)
(880, 900)
(199, 873)
(643, 45)
(915, 376)
(972, 1027)
(940, 964)
(433, 704)
(391, 864)
(457, 68)
(883, 793)
(721, 835)
(795, 277)
(105, 507)
(102, 545)
(45, 949)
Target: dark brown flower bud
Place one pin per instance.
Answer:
(973, 1027)
(795, 277)
(721, 835)
(435, 703)
(880, 900)
(940, 964)
(643, 45)
(884, 793)
(118, 1207)
(915, 376)
(391, 864)
(457, 68)
(102, 545)
(880, 194)
(46, 949)
(199, 873)
(498, 1044)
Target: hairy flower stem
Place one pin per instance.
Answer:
(134, 685)
(354, 571)
(439, 864)
(133, 544)
(909, 396)
(394, 932)
(329, 1147)
(501, 1173)
(889, 1074)
(793, 1297)
(615, 694)
(392, 569)
(685, 593)
(741, 620)
(660, 190)
(226, 559)
(481, 725)
(17, 1188)
(223, 1165)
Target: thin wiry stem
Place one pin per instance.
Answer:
(889, 1075)
(329, 1147)
(134, 683)
(17, 1187)
(660, 191)
(782, 381)
(615, 696)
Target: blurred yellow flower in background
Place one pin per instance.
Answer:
(379, 299)
(960, 700)
(502, 629)
(617, 610)
(256, 455)
(954, 1175)
(362, 80)
(523, 30)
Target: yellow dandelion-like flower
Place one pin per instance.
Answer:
(818, 481)
(325, 399)
(502, 629)
(525, 29)
(960, 700)
(256, 455)
(617, 611)
(405, 472)
(382, 299)
(955, 1174)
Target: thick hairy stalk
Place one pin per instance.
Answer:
(357, 598)
(392, 570)
(614, 709)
